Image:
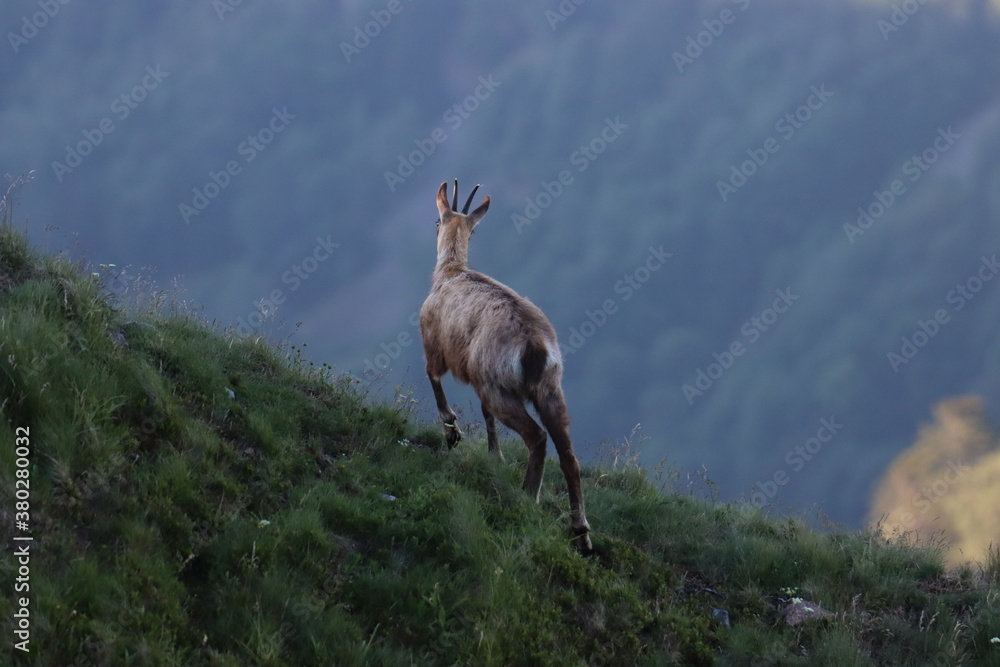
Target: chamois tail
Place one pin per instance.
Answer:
(534, 359)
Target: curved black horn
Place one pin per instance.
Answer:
(454, 199)
(468, 201)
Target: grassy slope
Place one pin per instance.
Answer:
(296, 524)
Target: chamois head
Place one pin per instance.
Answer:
(454, 226)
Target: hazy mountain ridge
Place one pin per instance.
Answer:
(655, 184)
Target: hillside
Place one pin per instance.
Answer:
(198, 498)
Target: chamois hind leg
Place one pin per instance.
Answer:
(510, 410)
(491, 433)
(452, 434)
(552, 411)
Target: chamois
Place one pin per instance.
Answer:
(491, 337)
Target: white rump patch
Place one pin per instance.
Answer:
(554, 357)
(512, 369)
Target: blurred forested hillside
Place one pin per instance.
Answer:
(765, 230)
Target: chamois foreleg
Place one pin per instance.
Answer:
(452, 434)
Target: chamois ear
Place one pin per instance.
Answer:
(442, 200)
(480, 211)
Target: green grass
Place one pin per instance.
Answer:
(203, 499)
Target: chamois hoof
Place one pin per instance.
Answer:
(583, 544)
(452, 435)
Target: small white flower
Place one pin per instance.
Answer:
(995, 640)
(263, 523)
